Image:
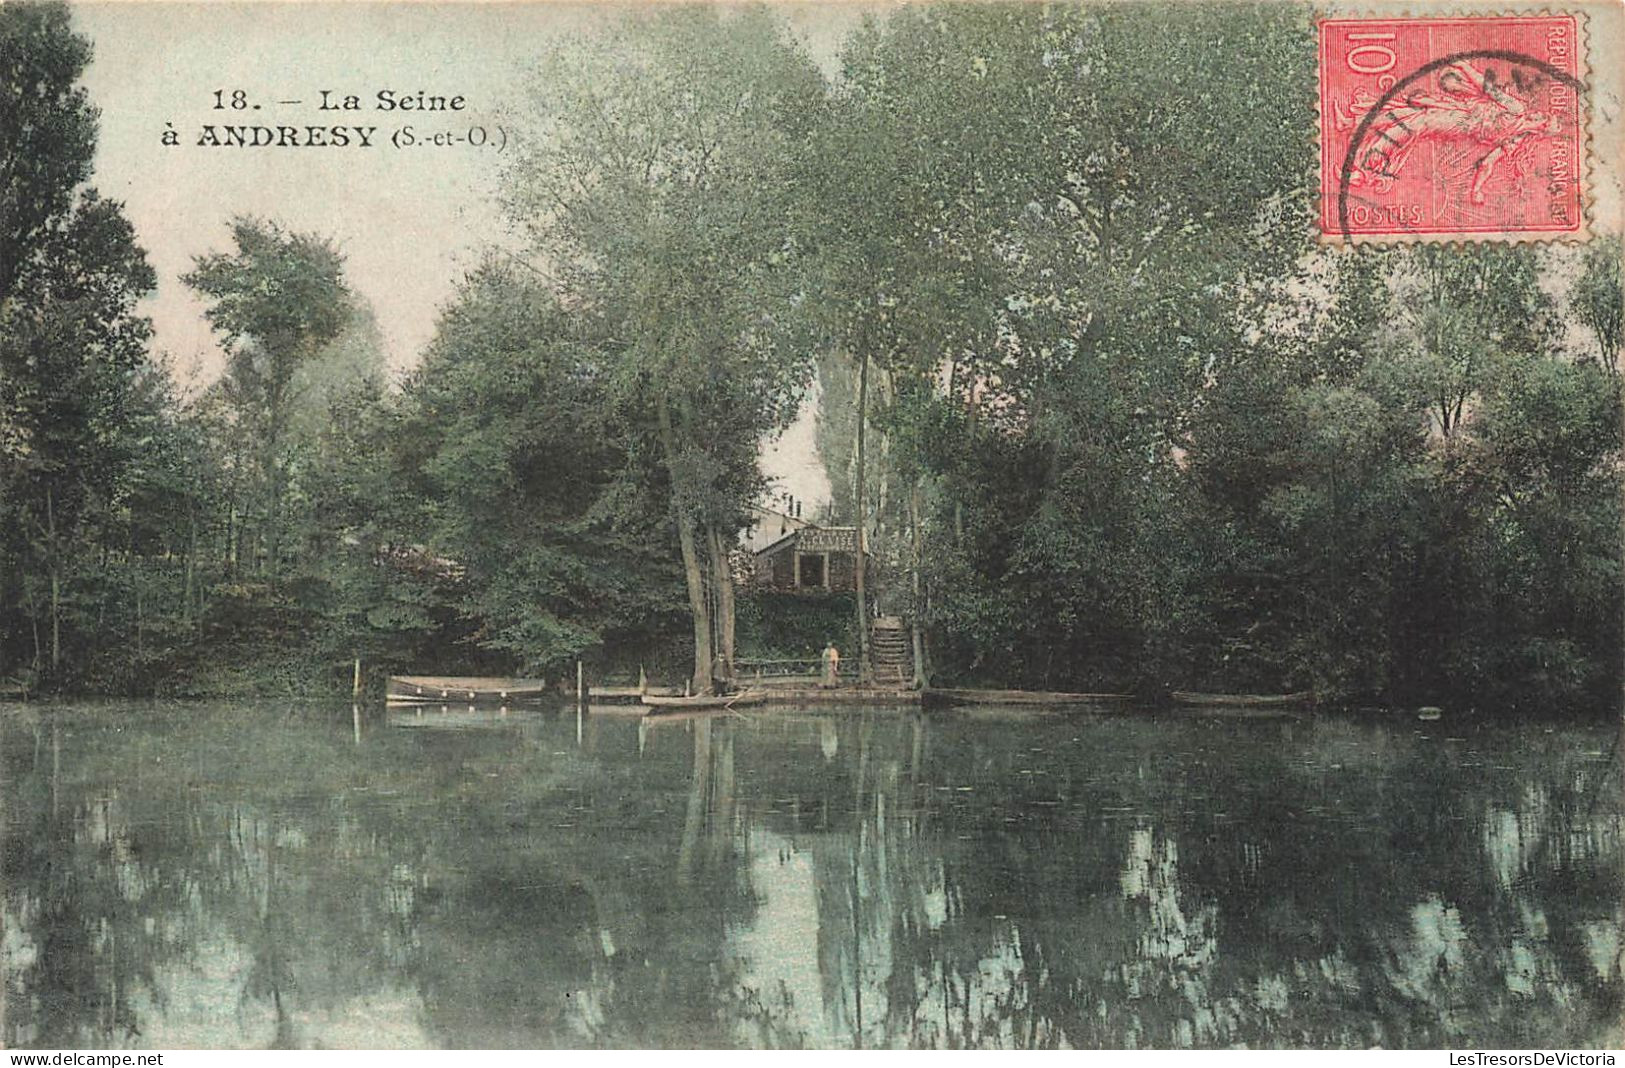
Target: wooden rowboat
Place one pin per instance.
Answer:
(699, 702)
(1036, 698)
(1242, 700)
(462, 689)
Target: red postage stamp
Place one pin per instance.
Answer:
(1452, 128)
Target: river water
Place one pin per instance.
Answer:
(260, 875)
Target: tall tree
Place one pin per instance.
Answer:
(509, 466)
(47, 130)
(657, 185)
(1018, 236)
(71, 343)
(1598, 300)
(1599, 303)
(276, 301)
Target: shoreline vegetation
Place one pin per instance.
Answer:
(1107, 418)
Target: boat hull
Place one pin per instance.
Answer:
(655, 705)
(453, 689)
(1242, 700)
(1024, 698)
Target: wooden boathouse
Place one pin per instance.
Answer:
(808, 559)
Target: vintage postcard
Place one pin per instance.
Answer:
(868, 525)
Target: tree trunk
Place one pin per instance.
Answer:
(275, 471)
(232, 535)
(191, 564)
(860, 568)
(56, 583)
(881, 498)
(273, 524)
(33, 622)
(701, 681)
(914, 508)
(722, 578)
(56, 619)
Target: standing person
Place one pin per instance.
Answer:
(722, 675)
(832, 666)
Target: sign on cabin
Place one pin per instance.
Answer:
(811, 559)
(828, 540)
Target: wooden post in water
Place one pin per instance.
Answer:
(581, 685)
(355, 687)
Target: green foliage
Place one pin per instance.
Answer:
(1599, 299)
(658, 179)
(1125, 428)
(47, 133)
(1383, 494)
(73, 360)
(1021, 226)
(540, 493)
(790, 626)
(277, 302)
(1159, 442)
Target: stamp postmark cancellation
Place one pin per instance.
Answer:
(1452, 128)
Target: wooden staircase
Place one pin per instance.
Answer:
(891, 652)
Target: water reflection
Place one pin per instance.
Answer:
(255, 876)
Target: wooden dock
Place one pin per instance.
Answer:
(802, 690)
(492, 690)
(843, 695)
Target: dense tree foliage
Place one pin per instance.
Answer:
(660, 181)
(73, 353)
(1106, 416)
(276, 302)
(549, 500)
(1136, 434)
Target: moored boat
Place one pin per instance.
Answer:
(462, 689)
(699, 702)
(1242, 700)
(627, 695)
(1036, 698)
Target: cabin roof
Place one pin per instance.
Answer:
(777, 544)
(769, 526)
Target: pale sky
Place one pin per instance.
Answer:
(411, 221)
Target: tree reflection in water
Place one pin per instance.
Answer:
(249, 876)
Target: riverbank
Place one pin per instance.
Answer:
(284, 682)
